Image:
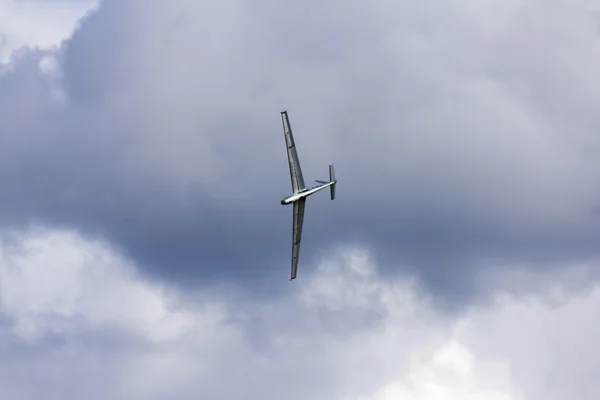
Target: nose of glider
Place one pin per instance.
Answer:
(283, 202)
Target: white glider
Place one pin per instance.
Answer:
(299, 191)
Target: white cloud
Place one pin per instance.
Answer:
(58, 274)
(74, 310)
(38, 23)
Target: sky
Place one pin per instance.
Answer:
(144, 252)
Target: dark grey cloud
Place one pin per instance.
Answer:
(459, 134)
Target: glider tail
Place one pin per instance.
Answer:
(331, 183)
(332, 179)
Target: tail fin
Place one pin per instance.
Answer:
(332, 179)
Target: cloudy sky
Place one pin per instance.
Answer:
(144, 252)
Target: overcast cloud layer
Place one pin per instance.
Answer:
(144, 252)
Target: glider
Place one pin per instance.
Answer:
(299, 190)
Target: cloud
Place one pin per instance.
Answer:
(460, 134)
(77, 321)
(142, 164)
(37, 23)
